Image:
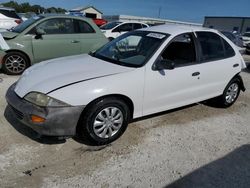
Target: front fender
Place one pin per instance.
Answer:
(129, 84)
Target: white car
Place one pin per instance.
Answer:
(246, 38)
(95, 96)
(114, 29)
(8, 18)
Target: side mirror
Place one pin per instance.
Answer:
(39, 33)
(163, 64)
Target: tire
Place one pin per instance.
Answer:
(97, 126)
(14, 63)
(230, 94)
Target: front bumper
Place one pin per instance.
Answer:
(59, 121)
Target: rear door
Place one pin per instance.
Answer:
(219, 63)
(60, 39)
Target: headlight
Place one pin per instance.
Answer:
(43, 100)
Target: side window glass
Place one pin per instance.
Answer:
(137, 26)
(229, 51)
(181, 50)
(126, 27)
(211, 46)
(83, 27)
(144, 26)
(57, 26)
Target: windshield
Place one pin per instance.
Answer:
(109, 25)
(21, 27)
(132, 49)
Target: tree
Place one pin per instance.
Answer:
(26, 7)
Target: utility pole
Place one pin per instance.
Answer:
(159, 13)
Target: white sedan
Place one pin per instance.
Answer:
(140, 73)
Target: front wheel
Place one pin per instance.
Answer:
(230, 94)
(14, 63)
(104, 121)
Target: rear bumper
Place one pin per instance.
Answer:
(60, 121)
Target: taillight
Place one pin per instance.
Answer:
(18, 21)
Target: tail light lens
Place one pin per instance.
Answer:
(18, 21)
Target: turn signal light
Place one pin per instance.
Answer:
(37, 119)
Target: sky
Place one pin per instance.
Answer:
(181, 10)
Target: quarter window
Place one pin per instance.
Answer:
(181, 50)
(211, 46)
(83, 27)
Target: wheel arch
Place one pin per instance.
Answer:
(237, 76)
(124, 98)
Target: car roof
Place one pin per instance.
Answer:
(174, 29)
(62, 15)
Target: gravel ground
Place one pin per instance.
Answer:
(197, 146)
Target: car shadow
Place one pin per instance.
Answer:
(28, 132)
(231, 171)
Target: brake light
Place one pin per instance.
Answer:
(18, 21)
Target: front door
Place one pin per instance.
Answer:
(59, 39)
(167, 89)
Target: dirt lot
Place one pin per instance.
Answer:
(198, 146)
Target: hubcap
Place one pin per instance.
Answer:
(15, 64)
(232, 93)
(108, 122)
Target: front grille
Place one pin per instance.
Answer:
(17, 112)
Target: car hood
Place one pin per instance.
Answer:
(9, 35)
(53, 74)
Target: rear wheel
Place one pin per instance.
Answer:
(104, 121)
(14, 63)
(230, 94)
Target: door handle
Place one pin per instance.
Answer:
(196, 74)
(236, 65)
(75, 41)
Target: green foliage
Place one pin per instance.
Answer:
(26, 7)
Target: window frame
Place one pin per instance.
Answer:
(76, 23)
(223, 46)
(197, 55)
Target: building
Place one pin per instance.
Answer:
(150, 21)
(89, 11)
(237, 24)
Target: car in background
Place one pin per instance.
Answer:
(26, 16)
(94, 96)
(236, 39)
(48, 36)
(246, 38)
(114, 29)
(8, 18)
(248, 49)
(98, 21)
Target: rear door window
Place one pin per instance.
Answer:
(211, 46)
